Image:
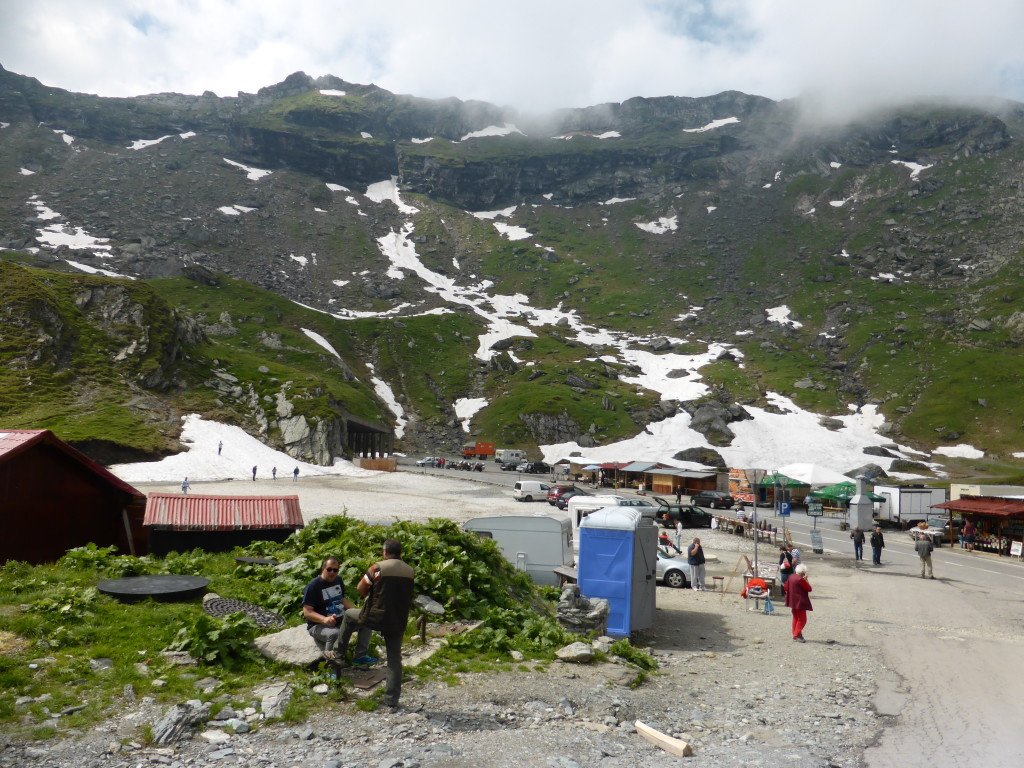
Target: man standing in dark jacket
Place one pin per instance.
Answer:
(858, 543)
(924, 549)
(695, 557)
(387, 588)
(877, 545)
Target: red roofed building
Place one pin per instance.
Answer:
(54, 498)
(178, 523)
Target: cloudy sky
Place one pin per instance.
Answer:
(531, 54)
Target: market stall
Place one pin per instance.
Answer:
(998, 522)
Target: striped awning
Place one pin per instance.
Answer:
(178, 512)
(984, 505)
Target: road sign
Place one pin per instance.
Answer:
(814, 508)
(784, 509)
(816, 544)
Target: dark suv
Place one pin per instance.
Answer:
(669, 513)
(713, 499)
(535, 468)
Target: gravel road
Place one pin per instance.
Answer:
(897, 671)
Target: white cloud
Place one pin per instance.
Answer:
(847, 52)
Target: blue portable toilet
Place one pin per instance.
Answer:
(617, 561)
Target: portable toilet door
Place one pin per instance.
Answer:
(606, 567)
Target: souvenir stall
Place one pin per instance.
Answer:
(998, 522)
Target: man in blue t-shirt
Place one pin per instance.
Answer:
(323, 607)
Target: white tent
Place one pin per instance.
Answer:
(813, 475)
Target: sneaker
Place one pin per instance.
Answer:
(366, 660)
(800, 639)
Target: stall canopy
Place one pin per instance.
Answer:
(841, 492)
(975, 505)
(777, 479)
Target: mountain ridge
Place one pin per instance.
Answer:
(766, 212)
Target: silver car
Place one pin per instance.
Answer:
(672, 571)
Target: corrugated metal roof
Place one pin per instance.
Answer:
(16, 441)
(639, 466)
(221, 513)
(984, 505)
(690, 473)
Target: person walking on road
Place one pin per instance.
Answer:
(273, 473)
(254, 474)
(679, 495)
(220, 446)
(185, 486)
(858, 543)
(295, 475)
(695, 557)
(877, 545)
(798, 600)
(924, 549)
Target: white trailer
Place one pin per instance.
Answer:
(536, 544)
(907, 505)
(505, 455)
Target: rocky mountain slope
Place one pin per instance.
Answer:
(894, 242)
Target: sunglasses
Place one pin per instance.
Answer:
(331, 570)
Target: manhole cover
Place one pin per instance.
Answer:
(166, 587)
(224, 606)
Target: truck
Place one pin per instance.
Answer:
(477, 450)
(509, 455)
(537, 544)
(907, 505)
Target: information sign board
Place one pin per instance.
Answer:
(784, 509)
(814, 508)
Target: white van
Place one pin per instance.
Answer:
(530, 490)
(581, 506)
(537, 544)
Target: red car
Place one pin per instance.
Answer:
(555, 491)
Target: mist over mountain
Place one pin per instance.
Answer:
(307, 258)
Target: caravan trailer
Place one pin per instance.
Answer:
(907, 505)
(536, 544)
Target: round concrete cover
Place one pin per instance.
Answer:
(164, 587)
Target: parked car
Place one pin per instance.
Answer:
(672, 571)
(528, 490)
(556, 490)
(938, 530)
(537, 468)
(713, 499)
(509, 466)
(563, 500)
(428, 461)
(669, 513)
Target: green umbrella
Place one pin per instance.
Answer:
(777, 479)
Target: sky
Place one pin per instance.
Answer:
(844, 55)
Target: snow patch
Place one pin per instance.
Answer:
(388, 190)
(421, 141)
(493, 130)
(466, 408)
(331, 92)
(915, 169)
(617, 200)
(26, 172)
(780, 315)
(337, 188)
(321, 341)
(494, 214)
(253, 174)
(143, 143)
(385, 393)
(96, 270)
(659, 227)
(961, 451)
(712, 125)
(511, 231)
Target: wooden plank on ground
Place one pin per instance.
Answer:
(663, 741)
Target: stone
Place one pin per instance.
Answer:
(273, 697)
(289, 646)
(321, 689)
(575, 653)
(215, 736)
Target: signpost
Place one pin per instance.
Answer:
(754, 477)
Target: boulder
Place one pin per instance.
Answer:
(289, 646)
(575, 653)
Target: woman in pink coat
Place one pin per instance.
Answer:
(798, 599)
